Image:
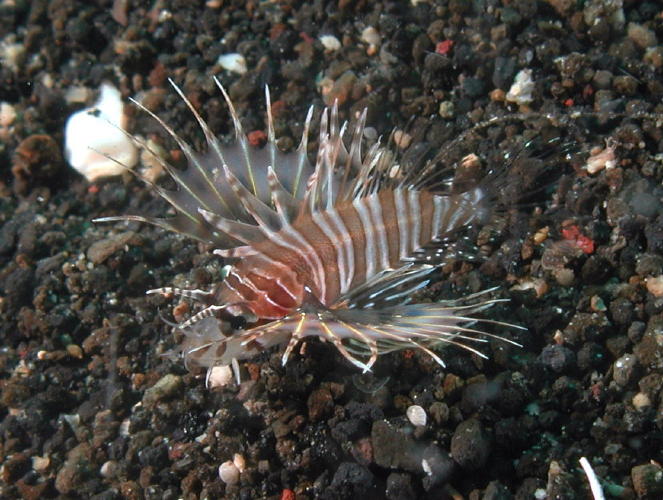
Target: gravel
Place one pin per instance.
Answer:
(92, 405)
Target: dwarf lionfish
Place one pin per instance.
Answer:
(333, 250)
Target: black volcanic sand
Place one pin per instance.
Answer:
(90, 407)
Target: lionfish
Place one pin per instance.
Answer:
(333, 250)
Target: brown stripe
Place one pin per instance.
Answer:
(426, 211)
(326, 250)
(390, 218)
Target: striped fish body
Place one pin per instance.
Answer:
(333, 250)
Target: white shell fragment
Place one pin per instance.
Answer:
(233, 62)
(228, 472)
(94, 143)
(602, 158)
(521, 90)
(330, 42)
(416, 415)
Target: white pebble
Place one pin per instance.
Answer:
(12, 53)
(521, 90)
(7, 114)
(330, 42)
(219, 376)
(371, 36)
(416, 415)
(640, 401)
(233, 62)
(228, 472)
(94, 133)
(602, 158)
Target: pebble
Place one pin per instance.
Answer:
(352, 480)
(219, 376)
(233, 62)
(167, 387)
(320, 404)
(399, 486)
(647, 480)
(558, 357)
(101, 250)
(229, 473)
(371, 36)
(655, 285)
(37, 161)
(330, 42)
(470, 445)
(93, 136)
(624, 370)
(416, 415)
(446, 109)
(641, 35)
(393, 448)
(522, 88)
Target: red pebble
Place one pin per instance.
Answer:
(571, 232)
(288, 495)
(444, 47)
(585, 243)
(257, 138)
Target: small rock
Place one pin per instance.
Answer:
(229, 473)
(352, 480)
(330, 42)
(100, 250)
(470, 445)
(416, 415)
(95, 144)
(625, 370)
(558, 357)
(73, 471)
(341, 89)
(393, 449)
(37, 161)
(399, 487)
(655, 286)
(522, 88)
(168, 387)
(642, 36)
(647, 480)
(233, 62)
(320, 403)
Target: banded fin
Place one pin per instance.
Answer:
(356, 333)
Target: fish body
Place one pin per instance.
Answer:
(333, 250)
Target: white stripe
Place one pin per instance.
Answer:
(415, 209)
(380, 229)
(455, 214)
(320, 221)
(249, 284)
(365, 219)
(309, 255)
(346, 239)
(403, 223)
(260, 271)
(440, 204)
